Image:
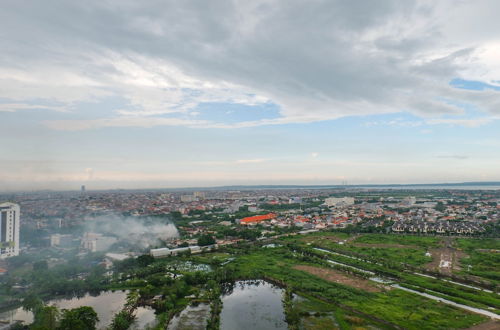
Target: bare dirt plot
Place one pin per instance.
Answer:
(442, 260)
(457, 255)
(338, 277)
(445, 259)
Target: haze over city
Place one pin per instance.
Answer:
(127, 94)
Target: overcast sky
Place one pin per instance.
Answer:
(128, 94)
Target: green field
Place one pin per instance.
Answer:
(395, 306)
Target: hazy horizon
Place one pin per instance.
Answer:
(124, 94)
(105, 186)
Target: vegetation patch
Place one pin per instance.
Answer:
(338, 277)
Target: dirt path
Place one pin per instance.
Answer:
(338, 277)
(490, 325)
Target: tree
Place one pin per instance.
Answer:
(440, 207)
(81, 318)
(122, 321)
(32, 303)
(205, 240)
(46, 317)
(145, 260)
(40, 265)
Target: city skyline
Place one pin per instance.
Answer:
(117, 94)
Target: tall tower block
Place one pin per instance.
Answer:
(9, 230)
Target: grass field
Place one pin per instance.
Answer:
(401, 308)
(482, 258)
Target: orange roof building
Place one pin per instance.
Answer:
(257, 218)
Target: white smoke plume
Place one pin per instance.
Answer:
(142, 232)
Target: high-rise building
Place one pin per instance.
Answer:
(9, 230)
(83, 188)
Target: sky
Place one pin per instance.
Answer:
(153, 94)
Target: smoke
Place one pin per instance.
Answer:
(142, 232)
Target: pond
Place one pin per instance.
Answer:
(105, 304)
(193, 317)
(252, 305)
(145, 317)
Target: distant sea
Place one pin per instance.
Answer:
(428, 187)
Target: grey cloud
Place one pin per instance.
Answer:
(318, 60)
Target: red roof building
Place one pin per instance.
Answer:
(257, 218)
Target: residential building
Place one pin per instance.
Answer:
(9, 230)
(344, 201)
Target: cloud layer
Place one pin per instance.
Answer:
(172, 93)
(317, 60)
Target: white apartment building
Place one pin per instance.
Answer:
(333, 201)
(9, 230)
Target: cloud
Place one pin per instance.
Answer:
(316, 61)
(13, 107)
(476, 122)
(250, 161)
(453, 156)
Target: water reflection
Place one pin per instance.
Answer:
(252, 305)
(193, 317)
(105, 304)
(145, 318)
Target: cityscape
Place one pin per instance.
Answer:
(369, 237)
(249, 165)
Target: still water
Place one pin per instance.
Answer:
(145, 318)
(106, 305)
(253, 305)
(193, 317)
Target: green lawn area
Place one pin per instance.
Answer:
(479, 261)
(420, 241)
(414, 257)
(469, 244)
(402, 308)
(482, 264)
(319, 323)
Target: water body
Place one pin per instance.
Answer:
(193, 317)
(440, 187)
(106, 305)
(145, 317)
(250, 305)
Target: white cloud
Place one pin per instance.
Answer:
(317, 61)
(13, 107)
(476, 122)
(250, 161)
